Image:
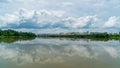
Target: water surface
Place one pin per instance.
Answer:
(60, 53)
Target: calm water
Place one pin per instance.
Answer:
(60, 53)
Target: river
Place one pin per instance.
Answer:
(60, 53)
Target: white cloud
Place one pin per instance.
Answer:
(26, 18)
(57, 13)
(44, 19)
(27, 14)
(112, 22)
(8, 19)
(81, 22)
(55, 20)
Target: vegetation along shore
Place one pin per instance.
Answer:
(13, 33)
(87, 35)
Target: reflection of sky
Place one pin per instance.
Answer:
(56, 51)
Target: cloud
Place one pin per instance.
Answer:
(54, 20)
(113, 22)
(81, 22)
(43, 19)
(8, 19)
(31, 19)
(61, 18)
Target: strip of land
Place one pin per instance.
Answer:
(12, 33)
(9, 36)
(4, 34)
(91, 35)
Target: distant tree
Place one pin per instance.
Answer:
(16, 33)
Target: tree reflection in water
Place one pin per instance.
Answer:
(14, 39)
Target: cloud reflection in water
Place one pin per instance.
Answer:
(44, 51)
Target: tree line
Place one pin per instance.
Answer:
(99, 35)
(9, 32)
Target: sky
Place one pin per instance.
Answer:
(51, 16)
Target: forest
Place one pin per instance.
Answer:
(13, 33)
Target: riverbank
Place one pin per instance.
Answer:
(12, 33)
(84, 36)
